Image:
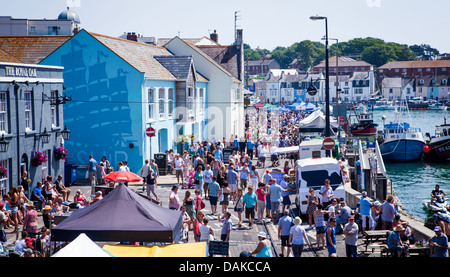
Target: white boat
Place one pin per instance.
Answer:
(435, 105)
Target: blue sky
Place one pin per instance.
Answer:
(266, 24)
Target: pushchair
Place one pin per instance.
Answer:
(189, 182)
(274, 159)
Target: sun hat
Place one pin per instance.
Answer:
(297, 220)
(377, 203)
(399, 228)
(47, 207)
(437, 229)
(262, 235)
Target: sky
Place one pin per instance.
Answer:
(266, 24)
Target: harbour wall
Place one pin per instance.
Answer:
(419, 231)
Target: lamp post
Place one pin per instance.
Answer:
(337, 87)
(327, 80)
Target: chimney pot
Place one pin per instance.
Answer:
(214, 36)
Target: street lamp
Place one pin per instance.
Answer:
(327, 80)
(3, 144)
(337, 85)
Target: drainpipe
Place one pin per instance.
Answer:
(18, 156)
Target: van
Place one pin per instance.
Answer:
(311, 149)
(312, 173)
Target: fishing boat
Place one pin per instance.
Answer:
(363, 125)
(437, 147)
(417, 103)
(399, 142)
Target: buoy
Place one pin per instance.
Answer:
(426, 149)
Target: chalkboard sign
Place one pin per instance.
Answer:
(226, 154)
(218, 247)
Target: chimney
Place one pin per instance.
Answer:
(214, 36)
(132, 36)
(239, 38)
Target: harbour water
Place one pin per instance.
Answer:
(414, 181)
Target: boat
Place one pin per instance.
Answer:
(417, 103)
(399, 142)
(436, 206)
(437, 148)
(363, 125)
(435, 105)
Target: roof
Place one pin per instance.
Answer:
(179, 66)
(415, 64)
(395, 82)
(343, 61)
(31, 49)
(196, 41)
(7, 58)
(259, 62)
(204, 55)
(139, 55)
(226, 56)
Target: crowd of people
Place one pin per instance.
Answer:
(227, 180)
(19, 210)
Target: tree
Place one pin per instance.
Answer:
(378, 54)
(424, 51)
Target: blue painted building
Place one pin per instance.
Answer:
(119, 89)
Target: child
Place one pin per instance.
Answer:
(239, 207)
(198, 200)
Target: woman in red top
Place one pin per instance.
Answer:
(79, 197)
(261, 194)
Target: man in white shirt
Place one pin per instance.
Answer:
(207, 175)
(179, 168)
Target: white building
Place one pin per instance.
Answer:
(359, 86)
(394, 87)
(68, 23)
(224, 99)
(277, 89)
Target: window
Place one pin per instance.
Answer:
(190, 102)
(428, 69)
(238, 95)
(201, 100)
(396, 70)
(151, 103)
(3, 112)
(391, 90)
(161, 94)
(28, 110)
(53, 30)
(45, 165)
(4, 179)
(32, 29)
(170, 103)
(54, 109)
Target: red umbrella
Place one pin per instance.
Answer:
(123, 176)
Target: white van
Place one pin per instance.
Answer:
(311, 149)
(311, 173)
